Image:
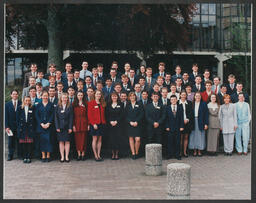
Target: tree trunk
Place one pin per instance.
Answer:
(55, 50)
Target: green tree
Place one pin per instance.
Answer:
(145, 29)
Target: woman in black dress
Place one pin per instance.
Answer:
(114, 114)
(26, 124)
(188, 121)
(64, 124)
(134, 113)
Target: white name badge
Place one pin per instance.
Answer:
(128, 89)
(136, 105)
(54, 105)
(29, 111)
(62, 111)
(158, 107)
(96, 107)
(36, 103)
(118, 106)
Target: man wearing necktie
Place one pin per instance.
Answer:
(174, 125)
(11, 125)
(33, 72)
(155, 116)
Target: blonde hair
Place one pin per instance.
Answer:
(60, 100)
(23, 102)
(102, 100)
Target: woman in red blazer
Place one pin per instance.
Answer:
(80, 124)
(96, 119)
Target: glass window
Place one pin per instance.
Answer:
(212, 20)
(197, 10)
(205, 8)
(212, 8)
(204, 18)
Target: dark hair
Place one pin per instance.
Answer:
(155, 93)
(76, 101)
(173, 96)
(60, 83)
(144, 91)
(32, 87)
(87, 77)
(15, 90)
(110, 97)
(118, 83)
(99, 65)
(113, 69)
(123, 92)
(70, 87)
(39, 84)
(195, 64)
(223, 85)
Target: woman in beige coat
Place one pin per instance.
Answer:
(214, 125)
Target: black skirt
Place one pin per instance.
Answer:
(99, 132)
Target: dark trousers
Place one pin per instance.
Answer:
(27, 150)
(37, 152)
(13, 141)
(73, 151)
(155, 135)
(55, 145)
(173, 144)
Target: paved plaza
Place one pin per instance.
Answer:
(218, 177)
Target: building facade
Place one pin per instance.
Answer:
(218, 32)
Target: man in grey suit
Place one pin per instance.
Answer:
(32, 82)
(150, 81)
(33, 72)
(216, 85)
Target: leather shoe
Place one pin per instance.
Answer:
(24, 161)
(178, 157)
(62, 161)
(67, 160)
(133, 156)
(78, 158)
(28, 161)
(83, 158)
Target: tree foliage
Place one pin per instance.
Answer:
(144, 28)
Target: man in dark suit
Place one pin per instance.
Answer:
(198, 86)
(52, 69)
(101, 74)
(223, 91)
(115, 66)
(68, 68)
(161, 68)
(114, 77)
(155, 116)
(108, 88)
(133, 79)
(185, 79)
(69, 82)
(33, 72)
(174, 124)
(167, 81)
(76, 76)
(125, 84)
(163, 100)
(150, 81)
(177, 74)
(11, 125)
(195, 72)
(95, 76)
(234, 96)
(231, 87)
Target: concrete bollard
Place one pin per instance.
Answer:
(153, 157)
(178, 179)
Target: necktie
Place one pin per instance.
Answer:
(216, 89)
(165, 102)
(148, 81)
(198, 87)
(95, 81)
(14, 105)
(84, 74)
(173, 111)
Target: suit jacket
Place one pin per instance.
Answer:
(25, 92)
(128, 88)
(234, 97)
(221, 98)
(64, 120)
(10, 115)
(105, 91)
(192, 77)
(85, 88)
(174, 123)
(157, 74)
(228, 118)
(155, 114)
(194, 89)
(162, 102)
(205, 96)
(96, 114)
(46, 76)
(203, 115)
(189, 114)
(174, 77)
(218, 89)
(153, 81)
(44, 115)
(231, 91)
(80, 120)
(22, 125)
(65, 89)
(115, 114)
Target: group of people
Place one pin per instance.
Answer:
(184, 111)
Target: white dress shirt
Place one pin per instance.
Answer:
(196, 108)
